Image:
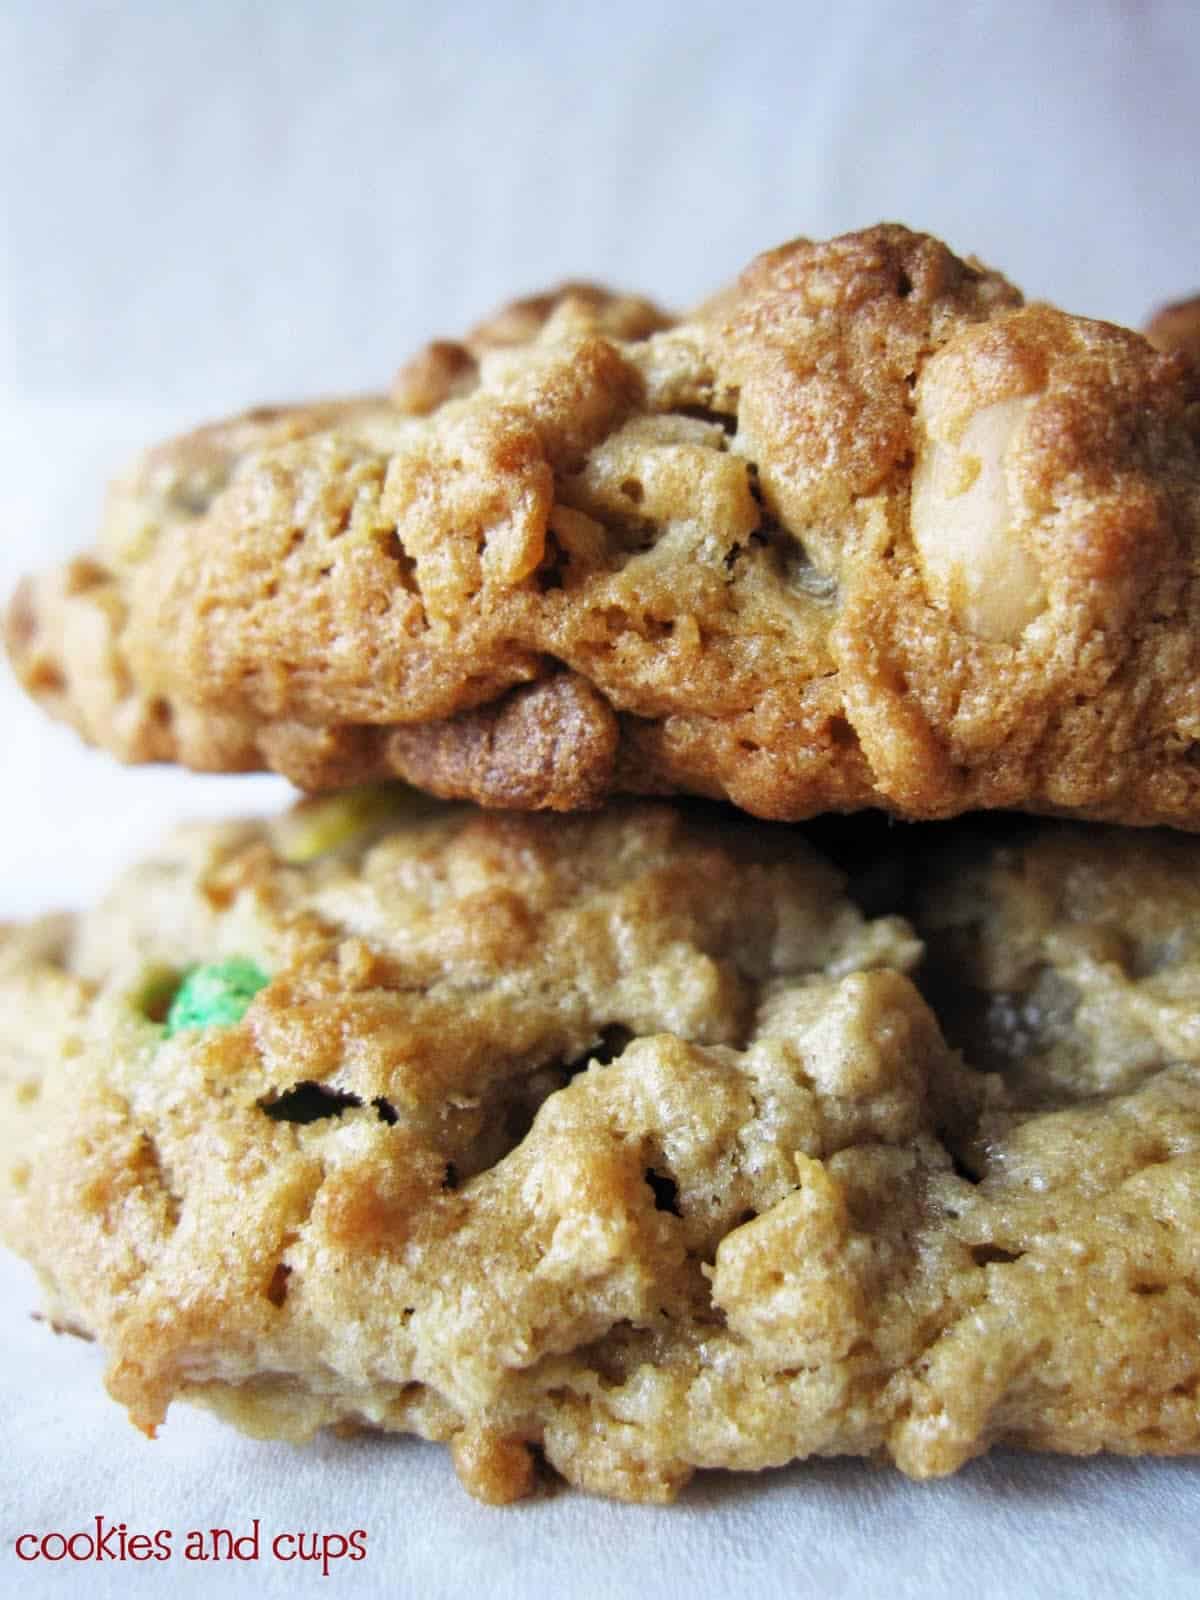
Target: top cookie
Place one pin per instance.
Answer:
(863, 531)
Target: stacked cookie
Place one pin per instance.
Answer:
(632, 1134)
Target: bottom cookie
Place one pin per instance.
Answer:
(625, 1142)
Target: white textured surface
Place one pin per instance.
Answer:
(204, 206)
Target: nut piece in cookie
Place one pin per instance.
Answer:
(963, 521)
(626, 1141)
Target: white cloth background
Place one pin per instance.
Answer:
(206, 205)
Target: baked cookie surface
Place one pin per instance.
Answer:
(863, 531)
(1066, 958)
(627, 1140)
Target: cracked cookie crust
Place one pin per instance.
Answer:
(626, 1141)
(862, 531)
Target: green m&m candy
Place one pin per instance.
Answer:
(215, 996)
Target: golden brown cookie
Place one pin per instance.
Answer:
(863, 531)
(625, 1140)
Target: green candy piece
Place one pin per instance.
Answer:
(215, 996)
